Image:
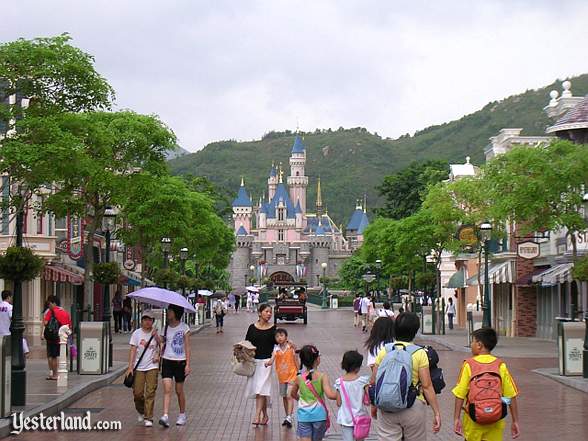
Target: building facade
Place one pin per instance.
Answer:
(279, 239)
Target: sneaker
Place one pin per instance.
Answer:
(164, 421)
(289, 421)
(148, 423)
(181, 420)
(285, 422)
(140, 418)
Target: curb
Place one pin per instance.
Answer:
(577, 383)
(74, 394)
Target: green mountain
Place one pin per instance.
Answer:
(352, 162)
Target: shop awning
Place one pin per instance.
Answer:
(555, 275)
(131, 278)
(57, 273)
(457, 280)
(498, 273)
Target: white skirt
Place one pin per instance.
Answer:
(260, 383)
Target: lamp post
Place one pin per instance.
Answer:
(252, 269)
(585, 350)
(183, 258)
(108, 226)
(378, 269)
(324, 302)
(166, 248)
(485, 235)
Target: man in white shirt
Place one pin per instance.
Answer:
(5, 313)
(364, 306)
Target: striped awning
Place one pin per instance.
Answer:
(498, 273)
(555, 275)
(57, 273)
(457, 280)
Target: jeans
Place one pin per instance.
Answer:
(126, 321)
(117, 320)
(450, 320)
(219, 320)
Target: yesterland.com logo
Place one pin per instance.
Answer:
(60, 423)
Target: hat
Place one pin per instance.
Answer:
(148, 313)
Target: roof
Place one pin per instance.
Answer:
(242, 199)
(273, 171)
(281, 195)
(575, 118)
(298, 208)
(326, 224)
(298, 147)
(319, 230)
(457, 280)
(358, 222)
(241, 231)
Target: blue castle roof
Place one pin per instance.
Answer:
(281, 195)
(298, 147)
(242, 199)
(312, 224)
(320, 231)
(358, 222)
(241, 231)
(298, 209)
(273, 172)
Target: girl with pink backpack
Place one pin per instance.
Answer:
(352, 399)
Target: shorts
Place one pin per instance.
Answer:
(283, 389)
(53, 349)
(347, 433)
(315, 430)
(174, 369)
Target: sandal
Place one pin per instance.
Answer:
(265, 421)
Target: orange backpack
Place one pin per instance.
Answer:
(484, 403)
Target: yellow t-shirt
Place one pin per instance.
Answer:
(419, 361)
(471, 430)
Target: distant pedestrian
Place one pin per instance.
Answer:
(310, 389)
(249, 303)
(356, 310)
(287, 368)
(127, 314)
(54, 318)
(450, 311)
(262, 335)
(351, 396)
(145, 346)
(220, 310)
(372, 313)
(386, 310)
(175, 362)
(5, 312)
(237, 303)
(364, 308)
(255, 301)
(485, 399)
(117, 311)
(231, 301)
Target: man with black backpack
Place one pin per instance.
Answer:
(54, 318)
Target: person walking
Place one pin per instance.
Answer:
(255, 297)
(54, 318)
(237, 303)
(249, 303)
(127, 313)
(231, 301)
(262, 335)
(386, 310)
(117, 311)
(144, 363)
(381, 334)
(356, 310)
(450, 311)
(364, 307)
(220, 310)
(175, 363)
(5, 313)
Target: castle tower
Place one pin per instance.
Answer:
(242, 209)
(297, 181)
(320, 245)
(272, 182)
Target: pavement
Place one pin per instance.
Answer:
(218, 408)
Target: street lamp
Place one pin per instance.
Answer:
(183, 258)
(324, 302)
(585, 351)
(252, 269)
(166, 248)
(378, 269)
(485, 235)
(108, 226)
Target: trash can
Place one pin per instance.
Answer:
(570, 344)
(5, 376)
(427, 319)
(93, 352)
(334, 304)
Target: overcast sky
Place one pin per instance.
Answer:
(236, 69)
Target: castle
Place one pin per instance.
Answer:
(279, 240)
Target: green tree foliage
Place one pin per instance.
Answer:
(351, 271)
(404, 191)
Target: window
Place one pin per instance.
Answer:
(39, 223)
(280, 214)
(281, 235)
(297, 173)
(60, 229)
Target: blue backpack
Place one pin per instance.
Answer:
(394, 389)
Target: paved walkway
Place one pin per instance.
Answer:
(219, 410)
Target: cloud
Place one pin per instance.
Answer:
(237, 69)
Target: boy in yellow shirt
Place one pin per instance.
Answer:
(483, 342)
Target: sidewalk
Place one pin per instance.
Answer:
(45, 396)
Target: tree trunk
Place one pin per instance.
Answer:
(89, 266)
(480, 290)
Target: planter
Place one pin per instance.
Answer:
(19, 263)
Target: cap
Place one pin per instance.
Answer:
(148, 313)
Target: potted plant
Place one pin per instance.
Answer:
(19, 263)
(106, 273)
(580, 270)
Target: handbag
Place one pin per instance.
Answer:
(243, 368)
(318, 397)
(361, 424)
(130, 378)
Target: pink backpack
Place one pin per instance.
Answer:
(361, 424)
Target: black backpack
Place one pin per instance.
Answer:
(51, 332)
(435, 370)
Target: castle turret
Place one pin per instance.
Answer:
(272, 182)
(357, 225)
(242, 209)
(299, 217)
(297, 181)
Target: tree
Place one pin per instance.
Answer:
(351, 272)
(404, 191)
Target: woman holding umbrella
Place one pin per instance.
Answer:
(262, 335)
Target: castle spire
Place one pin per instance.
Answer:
(365, 202)
(319, 198)
(281, 174)
(242, 182)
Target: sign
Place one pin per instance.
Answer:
(467, 235)
(129, 263)
(528, 250)
(369, 277)
(282, 278)
(573, 354)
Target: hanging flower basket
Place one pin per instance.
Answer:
(580, 271)
(19, 263)
(184, 282)
(106, 273)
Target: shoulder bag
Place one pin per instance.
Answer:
(130, 378)
(318, 397)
